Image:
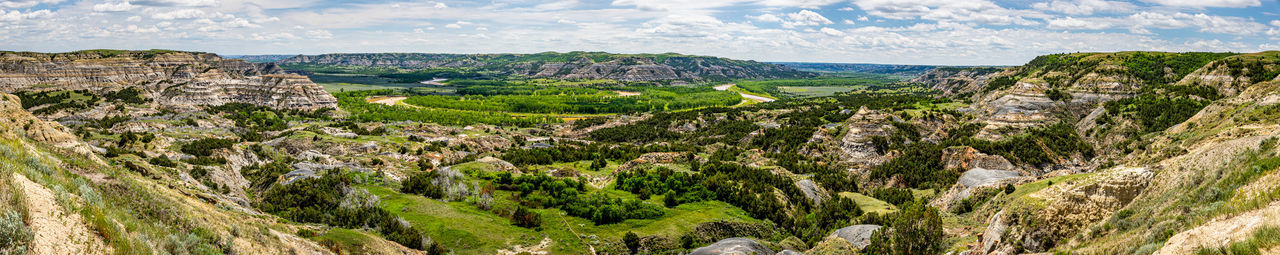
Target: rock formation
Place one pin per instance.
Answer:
(169, 77)
(572, 65)
(733, 246)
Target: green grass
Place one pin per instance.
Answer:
(466, 229)
(870, 204)
(818, 91)
(334, 83)
(349, 240)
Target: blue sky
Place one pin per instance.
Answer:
(948, 32)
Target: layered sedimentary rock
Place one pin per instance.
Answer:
(952, 80)
(573, 65)
(169, 77)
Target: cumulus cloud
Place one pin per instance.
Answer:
(134, 19)
(1275, 23)
(805, 18)
(809, 4)
(980, 11)
(26, 3)
(1207, 3)
(1084, 7)
(180, 14)
(766, 18)
(113, 7)
(831, 31)
(179, 3)
(1070, 23)
(13, 16)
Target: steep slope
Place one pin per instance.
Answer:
(958, 81)
(1200, 129)
(572, 65)
(170, 77)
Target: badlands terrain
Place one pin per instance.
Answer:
(172, 152)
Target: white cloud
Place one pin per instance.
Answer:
(26, 3)
(766, 18)
(565, 21)
(1084, 7)
(863, 18)
(440, 6)
(805, 18)
(558, 5)
(1207, 3)
(13, 16)
(180, 14)
(180, 3)
(809, 4)
(1224, 25)
(113, 7)
(1275, 23)
(980, 11)
(847, 22)
(319, 34)
(453, 25)
(1070, 23)
(831, 31)
(134, 19)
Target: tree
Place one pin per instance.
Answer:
(917, 229)
(632, 241)
(598, 163)
(1008, 188)
(669, 199)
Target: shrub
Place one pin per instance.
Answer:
(632, 241)
(15, 236)
(523, 217)
(917, 229)
(306, 233)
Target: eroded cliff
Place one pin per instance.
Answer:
(170, 77)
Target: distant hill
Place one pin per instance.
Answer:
(571, 65)
(258, 58)
(902, 70)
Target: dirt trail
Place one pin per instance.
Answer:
(1220, 232)
(390, 101)
(626, 93)
(56, 231)
(745, 95)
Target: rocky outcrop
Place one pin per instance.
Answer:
(1055, 213)
(572, 65)
(973, 181)
(856, 144)
(966, 158)
(958, 80)
(813, 191)
(168, 77)
(857, 235)
(733, 246)
(16, 122)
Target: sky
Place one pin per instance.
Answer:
(934, 32)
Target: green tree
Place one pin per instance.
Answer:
(632, 241)
(598, 163)
(917, 229)
(669, 199)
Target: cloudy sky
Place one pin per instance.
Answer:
(952, 32)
